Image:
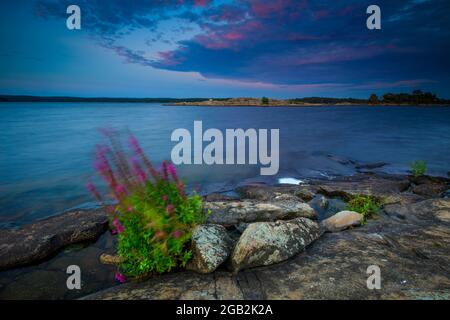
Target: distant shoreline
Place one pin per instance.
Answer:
(305, 105)
(224, 102)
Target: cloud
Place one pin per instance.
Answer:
(413, 83)
(278, 42)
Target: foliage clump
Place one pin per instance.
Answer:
(364, 204)
(418, 168)
(153, 216)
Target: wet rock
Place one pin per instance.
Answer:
(233, 212)
(427, 210)
(374, 185)
(342, 220)
(110, 259)
(305, 194)
(323, 202)
(177, 286)
(218, 197)
(211, 246)
(371, 166)
(335, 205)
(257, 192)
(411, 237)
(266, 243)
(406, 241)
(37, 241)
(341, 160)
(430, 190)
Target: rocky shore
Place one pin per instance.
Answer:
(255, 102)
(282, 242)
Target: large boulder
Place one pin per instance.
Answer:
(36, 241)
(234, 212)
(266, 243)
(342, 220)
(211, 246)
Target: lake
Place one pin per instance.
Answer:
(47, 149)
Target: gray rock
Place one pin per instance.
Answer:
(342, 220)
(211, 246)
(323, 202)
(410, 240)
(435, 211)
(371, 166)
(36, 241)
(234, 212)
(430, 190)
(266, 243)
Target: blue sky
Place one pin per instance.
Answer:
(205, 48)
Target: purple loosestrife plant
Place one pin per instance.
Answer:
(153, 217)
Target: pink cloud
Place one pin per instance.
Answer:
(265, 9)
(201, 3)
(169, 58)
(228, 38)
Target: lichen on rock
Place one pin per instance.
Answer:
(211, 246)
(266, 243)
(234, 212)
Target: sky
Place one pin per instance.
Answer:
(223, 48)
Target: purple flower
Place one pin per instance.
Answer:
(172, 171)
(138, 170)
(101, 166)
(91, 188)
(169, 209)
(120, 277)
(119, 227)
(130, 208)
(164, 198)
(164, 170)
(159, 234)
(120, 188)
(177, 234)
(135, 144)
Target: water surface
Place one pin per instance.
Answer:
(47, 148)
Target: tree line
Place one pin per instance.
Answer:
(417, 97)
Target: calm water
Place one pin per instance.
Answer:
(47, 148)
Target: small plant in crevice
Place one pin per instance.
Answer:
(364, 204)
(418, 168)
(153, 216)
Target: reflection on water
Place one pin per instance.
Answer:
(47, 148)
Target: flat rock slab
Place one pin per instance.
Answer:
(230, 213)
(36, 241)
(413, 255)
(389, 188)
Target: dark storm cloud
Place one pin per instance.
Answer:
(285, 41)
